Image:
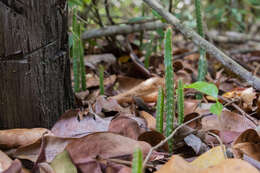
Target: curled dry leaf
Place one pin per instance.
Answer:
(247, 143)
(93, 81)
(14, 138)
(212, 157)
(70, 126)
(5, 161)
(154, 138)
(87, 151)
(15, 167)
(106, 105)
(147, 90)
(227, 121)
(52, 146)
(150, 120)
(178, 165)
(125, 126)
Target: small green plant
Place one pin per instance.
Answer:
(202, 69)
(82, 64)
(180, 95)
(137, 165)
(75, 53)
(169, 84)
(101, 80)
(160, 110)
(78, 56)
(211, 90)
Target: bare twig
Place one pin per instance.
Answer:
(169, 137)
(201, 42)
(125, 29)
(108, 13)
(221, 144)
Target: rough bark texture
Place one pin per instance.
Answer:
(35, 85)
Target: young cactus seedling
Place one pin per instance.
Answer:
(75, 53)
(160, 110)
(137, 165)
(180, 95)
(169, 84)
(101, 80)
(202, 68)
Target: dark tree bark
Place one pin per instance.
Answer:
(35, 84)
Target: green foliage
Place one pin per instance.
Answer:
(160, 110)
(180, 95)
(75, 54)
(169, 84)
(216, 108)
(101, 80)
(78, 55)
(204, 87)
(202, 68)
(137, 161)
(211, 90)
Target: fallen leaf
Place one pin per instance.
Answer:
(63, 164)
(15, 167)
(14, 138)
(154, 138)
(70, 126)
(87, 151)
(177, 165)
(5, 161)
(52, 146)
(210, 158)
(151, 121)
(231, 166)
(247, 143)
(147, 90)
(125, 126)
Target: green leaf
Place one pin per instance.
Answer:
(137, 161)
(216, 108)
(138, 19)
(63, 164)
(204, 87)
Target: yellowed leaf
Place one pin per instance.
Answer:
(212, 157)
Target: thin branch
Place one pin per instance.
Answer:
(108, 13)
(169, 137)
(126, 29)
(201, 42)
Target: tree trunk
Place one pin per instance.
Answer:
(35, 84)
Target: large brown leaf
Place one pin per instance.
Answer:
(20, 137)
(87, 151)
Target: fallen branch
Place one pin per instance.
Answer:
(232, 37)
(125, 29)
(201, 42)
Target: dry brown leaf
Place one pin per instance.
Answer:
(87, 152)
(93, 81)
(154, 138)
(210, 158)
(5, 161)
(126, 83)
(14, 138)
(247, 143)
(15, 167)
(177, 165)
(147, 90)
(231, 166)
(125, 126)
(227, 121)
(52, 146)
(69, 124)
(150, 120)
